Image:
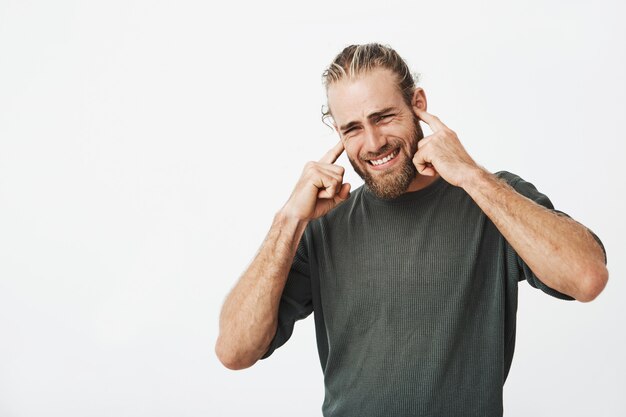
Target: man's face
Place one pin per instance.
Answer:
(378, 129)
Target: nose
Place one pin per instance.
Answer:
(374, 139)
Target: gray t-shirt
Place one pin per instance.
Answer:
(414, 302)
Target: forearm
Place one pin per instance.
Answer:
(560, 251)
(249, 315)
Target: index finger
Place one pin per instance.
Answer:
(432, 121)
(332, 155)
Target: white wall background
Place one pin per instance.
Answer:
(146, 145)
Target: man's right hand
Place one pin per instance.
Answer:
(319, 189)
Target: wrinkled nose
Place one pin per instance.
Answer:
(374, 139)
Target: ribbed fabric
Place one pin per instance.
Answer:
(414, 302)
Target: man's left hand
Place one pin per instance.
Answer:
(442, 152)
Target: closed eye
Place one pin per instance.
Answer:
(380, 118)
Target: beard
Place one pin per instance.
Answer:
(391, 183)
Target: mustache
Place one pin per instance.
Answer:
(386, 148)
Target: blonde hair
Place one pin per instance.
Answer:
(355, 60)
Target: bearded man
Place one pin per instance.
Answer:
(412, 277)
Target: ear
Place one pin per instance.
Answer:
(419, 98)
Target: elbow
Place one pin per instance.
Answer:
(234, 365)
(230, 359)
(593, 284)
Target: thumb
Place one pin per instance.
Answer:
(343, 193)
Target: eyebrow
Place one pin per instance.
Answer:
(371, 116)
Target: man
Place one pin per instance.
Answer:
(413, 276)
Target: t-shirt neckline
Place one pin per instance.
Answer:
(407, 197)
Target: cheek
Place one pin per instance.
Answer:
(392, 131)
(351, 148)
(397, 130)
(352, 154)
(406, 134)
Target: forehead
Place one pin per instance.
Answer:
(353, 99)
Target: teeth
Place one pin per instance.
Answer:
(385, 159)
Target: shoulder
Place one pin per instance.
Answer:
(525, 188)
(509, 177)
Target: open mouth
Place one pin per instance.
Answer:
(379, 163)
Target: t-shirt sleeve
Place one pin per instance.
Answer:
(529, 190)
(296, 300)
